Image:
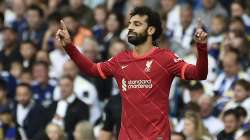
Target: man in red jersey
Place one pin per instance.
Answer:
(144, 74)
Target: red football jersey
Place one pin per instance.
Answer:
(144, 83)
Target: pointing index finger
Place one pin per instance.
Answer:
(199, 24)
(63, 25)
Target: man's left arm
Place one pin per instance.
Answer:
(200, 70)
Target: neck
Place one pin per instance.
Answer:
(66, 97)
(144, 48)
(26, 104)
(185, 26)
(44, 83)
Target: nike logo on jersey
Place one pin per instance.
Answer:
(124, 66)
(177, 60)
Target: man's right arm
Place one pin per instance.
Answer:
(83, 63)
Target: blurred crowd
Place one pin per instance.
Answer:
(43, 95)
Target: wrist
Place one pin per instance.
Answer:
(68, 45)
(200, 45)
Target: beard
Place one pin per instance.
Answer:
(137, 38)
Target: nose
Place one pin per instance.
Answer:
(130, 27)
(130, 31)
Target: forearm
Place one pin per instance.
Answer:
(83, 63)
(200, 70)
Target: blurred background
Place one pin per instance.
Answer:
(43, 95)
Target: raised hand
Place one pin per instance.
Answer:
(63, 35)
(200, 35)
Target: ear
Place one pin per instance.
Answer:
(151, 30)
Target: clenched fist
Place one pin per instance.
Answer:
(63, 35)
(200, 35)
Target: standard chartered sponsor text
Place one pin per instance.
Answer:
(139, 84)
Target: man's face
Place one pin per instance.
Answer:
(33, 19)
(116, 48)
(75, 4)
(40, 73)
(23, 95)
(9, 37)
(236, 27)
(19, 7)
(196, 94)
(27, 50)
(206, 106)
(186, 17)
(217, 25)
(230, 123)
(236, 10)
(230, 65)
(137, 30)
(2, 94)
(112, 23)
(90, 51)
(208, 4)
(69, 68)
(167, 5)
(6, 118)
(53, 132)
(71, 24)
(240, 94)
(189, 127)
(66, 87)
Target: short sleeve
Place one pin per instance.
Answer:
(176, 65)
(107, 68)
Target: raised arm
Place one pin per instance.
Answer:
(84, 64)
(200, 70)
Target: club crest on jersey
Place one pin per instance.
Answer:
(148, 65)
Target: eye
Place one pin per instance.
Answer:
(137, 24)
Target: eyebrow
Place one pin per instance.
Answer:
(136, 22)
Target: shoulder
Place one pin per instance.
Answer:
(83, 84)
(164, 51)
(82, 81)
(167, 55)
(125, 53)
(121, 56)
(79, 103)
(246, 102)
(37, 108)
(54, 53)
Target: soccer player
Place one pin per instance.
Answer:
(144, 74)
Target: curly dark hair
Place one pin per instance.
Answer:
(153, 19)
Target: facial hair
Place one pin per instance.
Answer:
(137, 38)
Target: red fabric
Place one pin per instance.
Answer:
(200, 70)
(144, 84)
(83, 63)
